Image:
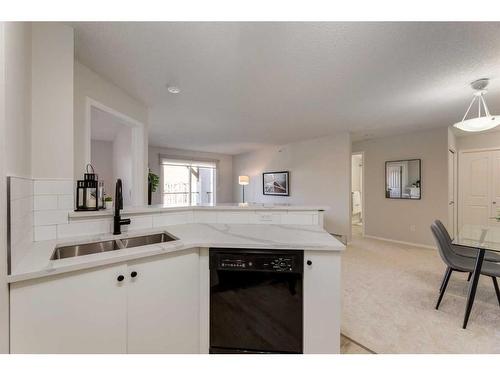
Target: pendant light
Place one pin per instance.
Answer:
(479, 123)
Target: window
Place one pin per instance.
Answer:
(188, 182)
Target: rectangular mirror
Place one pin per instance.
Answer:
(403, 179)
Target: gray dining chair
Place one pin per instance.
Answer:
(456, 262)
(466, 251)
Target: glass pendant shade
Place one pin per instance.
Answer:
(479, 123)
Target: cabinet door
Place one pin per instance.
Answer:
(81, 312)
(321, 302)
(163, 304)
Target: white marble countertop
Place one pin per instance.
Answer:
(218, 207)
(36, 263)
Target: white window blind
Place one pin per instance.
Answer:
(186, 162)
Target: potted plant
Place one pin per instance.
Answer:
(108, 202)
(153, 182)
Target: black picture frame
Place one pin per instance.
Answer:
(386, 190)
(286, 193)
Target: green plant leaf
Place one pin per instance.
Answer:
(155, 181)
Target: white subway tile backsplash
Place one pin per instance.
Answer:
(21, 231)
(48, 217)
(172, 219)
(65, 202)
(45, 232)
(83, 228)
(20, 188)
(138, 222)
(20, 217)
(53, 187)
(45, 202)
(20, 208)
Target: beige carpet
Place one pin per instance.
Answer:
(389, 294)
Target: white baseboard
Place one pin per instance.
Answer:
(401, 242)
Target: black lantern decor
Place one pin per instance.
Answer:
(87, 192)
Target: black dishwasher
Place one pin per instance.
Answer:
(256, 301)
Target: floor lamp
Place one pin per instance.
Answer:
(243, 180)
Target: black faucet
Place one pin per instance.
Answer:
(117, 220)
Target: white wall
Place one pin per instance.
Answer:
(36, 133)
(52, 100)
(480, 140)
(88, 84)
(15, 135)
(18, 100)
(4, 289)
(224, 192)
(401, 219)
(320, 173)
(102, 160)
(122, 162)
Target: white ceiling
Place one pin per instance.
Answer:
(245, 85)
(104, 126)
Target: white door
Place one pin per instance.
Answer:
(475, 169)
(451, 193)
(495, 183)
(84, 312)
(163, 304)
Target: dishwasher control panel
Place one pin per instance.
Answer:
(258, 261)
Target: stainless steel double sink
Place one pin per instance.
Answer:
(109, 245)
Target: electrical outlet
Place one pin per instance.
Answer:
(413, 228)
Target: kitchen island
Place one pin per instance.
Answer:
(156, 298)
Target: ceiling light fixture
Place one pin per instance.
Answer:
(173, 89)
(479, 123)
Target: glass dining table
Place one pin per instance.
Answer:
(480, 239)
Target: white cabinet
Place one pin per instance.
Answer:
(84, 312)
(157, 311)
(154, 309)
(321, 302)
(163, 304)
(261, 217)
(267, 217)
(301, 218)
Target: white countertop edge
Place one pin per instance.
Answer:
(143, 254)
(159, 209)
(120, 256)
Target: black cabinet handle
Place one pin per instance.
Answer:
(120, 278)
(133, 274)
(309, 263)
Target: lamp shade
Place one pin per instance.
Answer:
(478, 124)
(243, 180)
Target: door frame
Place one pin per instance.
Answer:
(139, 171)
(459, 178)
(456, 203)
(363, 212)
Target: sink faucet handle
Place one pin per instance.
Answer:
(119, 194)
